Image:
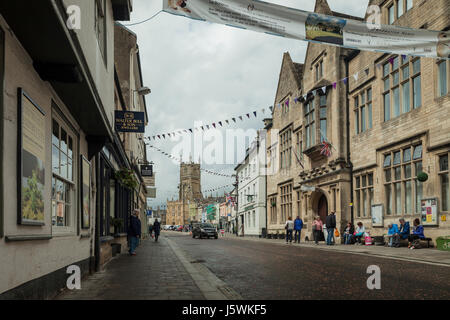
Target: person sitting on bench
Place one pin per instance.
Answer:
(404, 229)
(414, 238)
(359, 233)
(393, 235)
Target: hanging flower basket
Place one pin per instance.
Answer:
(126, 177)
(422, 176)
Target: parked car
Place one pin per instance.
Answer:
(180, 228)
(204, 230)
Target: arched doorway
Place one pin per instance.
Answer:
(322, 208)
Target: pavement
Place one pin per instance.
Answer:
(179, 267)
(423, 255)
(262, 269)
(159, 271)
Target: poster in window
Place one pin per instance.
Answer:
(377, 215)
(31, 166)
(429, 212)
(85, 193)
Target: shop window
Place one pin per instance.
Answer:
(63, 184)
(400, 177)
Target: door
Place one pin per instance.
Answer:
(323, 208)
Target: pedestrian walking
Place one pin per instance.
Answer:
(134, 232)
(156, 229)
(330, 224)
(289, 226)
(317, 228)
(298, 226)
(150, 230)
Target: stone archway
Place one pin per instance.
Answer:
(319, 204)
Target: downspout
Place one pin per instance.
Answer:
(347, 59)
(97, 215)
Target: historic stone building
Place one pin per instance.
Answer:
(178, 212)
(301, 180)
(400, 125)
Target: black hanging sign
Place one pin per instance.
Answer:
(129, 121)
(147, 170)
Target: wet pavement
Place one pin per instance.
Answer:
(182, 268)
(263, 271)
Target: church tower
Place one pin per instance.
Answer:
(190, 184)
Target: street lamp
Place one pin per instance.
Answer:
(143, 91)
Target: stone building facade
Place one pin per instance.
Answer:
(400, 125)
(301, 180)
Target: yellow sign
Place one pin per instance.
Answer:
(444, 218)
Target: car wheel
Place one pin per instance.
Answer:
(193, 236)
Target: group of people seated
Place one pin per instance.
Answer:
(395, 233)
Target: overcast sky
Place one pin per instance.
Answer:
(199, 71)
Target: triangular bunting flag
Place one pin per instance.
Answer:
(228, 122)
(214, 125)
(190, 130)
(220, 123)
(356, 76)
(324, 89)
(254, 112)
(248, 115)
(240, 117)
(345, 80)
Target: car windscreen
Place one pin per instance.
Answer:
(207, 225)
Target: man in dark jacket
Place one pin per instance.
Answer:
(331, 225)
(156, 229)
(134, 232)
(298, 226)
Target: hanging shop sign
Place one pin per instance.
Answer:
(31, 167)
(85, 193)
(130, 121)
(377, 215)
(429, 211)
(303, 25)
(149, 181)
(147, 170)
(151, 193)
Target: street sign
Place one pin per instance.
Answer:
(130, 121)
(147, 170)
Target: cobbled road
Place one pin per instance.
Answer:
(258, 270)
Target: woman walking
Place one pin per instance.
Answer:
(317, 228)
(289, 226)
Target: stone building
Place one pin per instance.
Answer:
(189, 193)
(400, 126)
(57, 103)
(302, 181)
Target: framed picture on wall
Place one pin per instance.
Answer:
(31, 155)
(85, 193)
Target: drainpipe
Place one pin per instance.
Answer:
(347, 59)
(97, 215)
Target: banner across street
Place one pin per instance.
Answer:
(297, 24)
